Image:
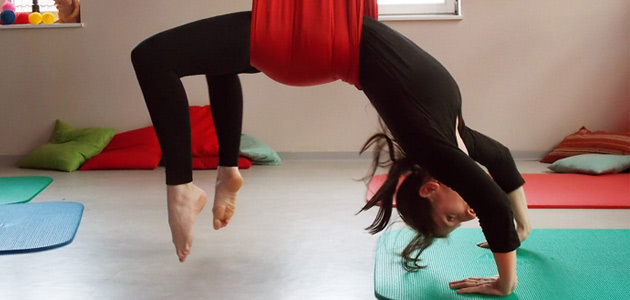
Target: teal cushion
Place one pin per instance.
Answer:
(594, 164)
(68, 148)
(258, 152)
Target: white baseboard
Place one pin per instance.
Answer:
(323, 155)
(13, 160)
(528, 155)
(518, 155)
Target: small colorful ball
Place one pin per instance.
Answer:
(48, 18)
(8, 6)
(7, 17)
(21, 18)
(35, 18)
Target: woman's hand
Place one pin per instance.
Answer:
(522, 231)
(483, 285)
(521, 216)
(499, 285)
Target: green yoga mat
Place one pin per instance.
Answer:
(21, 189)
(552, 264)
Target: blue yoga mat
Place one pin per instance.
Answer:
(42, 226)
(552, 264)
(21, 189)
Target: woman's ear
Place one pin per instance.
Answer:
(428, 188)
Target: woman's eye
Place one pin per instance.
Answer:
(450, 218)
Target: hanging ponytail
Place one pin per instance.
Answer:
(384, 197)
(417, 213)
(414, 210)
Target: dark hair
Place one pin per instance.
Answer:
(413, 209)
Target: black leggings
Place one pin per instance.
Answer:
(217, 48)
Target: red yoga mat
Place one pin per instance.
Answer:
(376, 182)
(611, 191)
(577, 191)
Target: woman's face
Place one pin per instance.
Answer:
(449, 208)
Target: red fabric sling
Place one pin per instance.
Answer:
(308, 42)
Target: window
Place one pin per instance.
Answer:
(418, 9)
(49, 18)
(27, 5)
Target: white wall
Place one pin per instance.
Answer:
(530, 73)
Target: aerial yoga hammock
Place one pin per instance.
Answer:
(308, 42)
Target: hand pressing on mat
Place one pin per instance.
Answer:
(522, 231)
(521, 216)
(480, 285)
(500, 285)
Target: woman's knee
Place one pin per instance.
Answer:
(144, 53)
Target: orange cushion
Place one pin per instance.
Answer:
(585, 141)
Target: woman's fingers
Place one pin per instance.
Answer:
(468, 282)
(483, 245)
(486, 289)
(478, 285)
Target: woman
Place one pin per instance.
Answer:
(414, 95)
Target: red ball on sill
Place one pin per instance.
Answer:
(21, 18)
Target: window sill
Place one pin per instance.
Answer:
(42, 26)
(420, 17)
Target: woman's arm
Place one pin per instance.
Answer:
(498, 160)
(519, 209)
(501, 285)
(521, 216)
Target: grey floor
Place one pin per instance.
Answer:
(295, 236)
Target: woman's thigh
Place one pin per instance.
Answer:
(213, 46)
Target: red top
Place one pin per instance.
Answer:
(308, 42)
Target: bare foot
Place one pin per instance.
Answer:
(229, 182)
(185, 202)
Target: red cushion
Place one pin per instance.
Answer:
(203, 134)
(135, 149)
(205, 145)
(140, 149)
(207, 163)
(305, 42)
(585, 141)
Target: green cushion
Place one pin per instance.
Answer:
(594, 164)
(68, 148)
(258, 152)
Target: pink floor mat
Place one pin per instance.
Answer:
(555, 190)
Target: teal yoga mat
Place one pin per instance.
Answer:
(30, 227)
(21, 189)
(552, 264)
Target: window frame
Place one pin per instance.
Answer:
(26, 5)
(419, 10)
